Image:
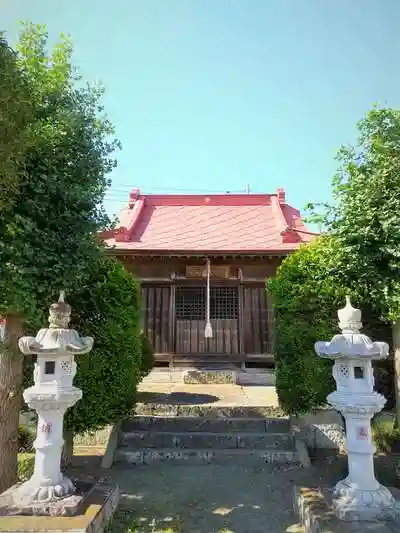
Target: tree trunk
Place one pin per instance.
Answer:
(396, 351)
(68, 449)
(11, 378)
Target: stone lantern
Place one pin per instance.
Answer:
(52, 394)
(359, 496)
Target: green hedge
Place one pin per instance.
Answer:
(107, 308)
(307, 291)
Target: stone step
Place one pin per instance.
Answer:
(207, 377)
(255, 376)
(262, 377)
(178, 408)
(248, 441)
(196, 456)
(194, 424)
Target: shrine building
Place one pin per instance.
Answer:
(202, 261)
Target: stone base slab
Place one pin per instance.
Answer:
(93, 516)
(11, 503)
(316, 514)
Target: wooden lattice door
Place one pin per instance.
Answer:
(190, 312)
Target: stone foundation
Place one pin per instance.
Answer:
(316, 514)
(92, 517)
(208, 377)
(321, 429)
(164, 409)
(13, 503)
(215, 376)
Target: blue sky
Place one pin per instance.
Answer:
(209, 95)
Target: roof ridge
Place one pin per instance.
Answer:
(237, 222)
(278, 211)
(136, 208)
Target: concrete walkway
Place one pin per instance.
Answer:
(213, 395)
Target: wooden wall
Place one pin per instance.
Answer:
(249, 335)
(153, 268)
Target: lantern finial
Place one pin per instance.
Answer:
(349, 318)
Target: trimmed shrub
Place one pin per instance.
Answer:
(108, 309)
(307, 293)
(147, 362)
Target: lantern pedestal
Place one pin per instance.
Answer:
(48, 483)
(360, 496)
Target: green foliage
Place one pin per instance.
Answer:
(307, 292)
(365, 220)
(53, 175)
(26, 464)
(384, 432)
(147, 362)
(26, 436)
(15, 114)
(359, 255)
(48, 228)
(107, 308)
(304, 299)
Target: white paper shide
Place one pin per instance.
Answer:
(52, 394)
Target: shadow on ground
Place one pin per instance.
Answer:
(176, 398)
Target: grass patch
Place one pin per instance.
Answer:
(125, 521)
(26, 463)
(385, 434)
(26, 436)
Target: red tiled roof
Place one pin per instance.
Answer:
(237, 223)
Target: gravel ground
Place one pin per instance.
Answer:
(246, 498)
(209, 499)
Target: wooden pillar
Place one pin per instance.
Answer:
(271, 324)
(396, 350)
(171, 320)
(241, 319)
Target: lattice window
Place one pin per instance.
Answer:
(190, 303)
(344, 371)
(66, 367)
(224, 303)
